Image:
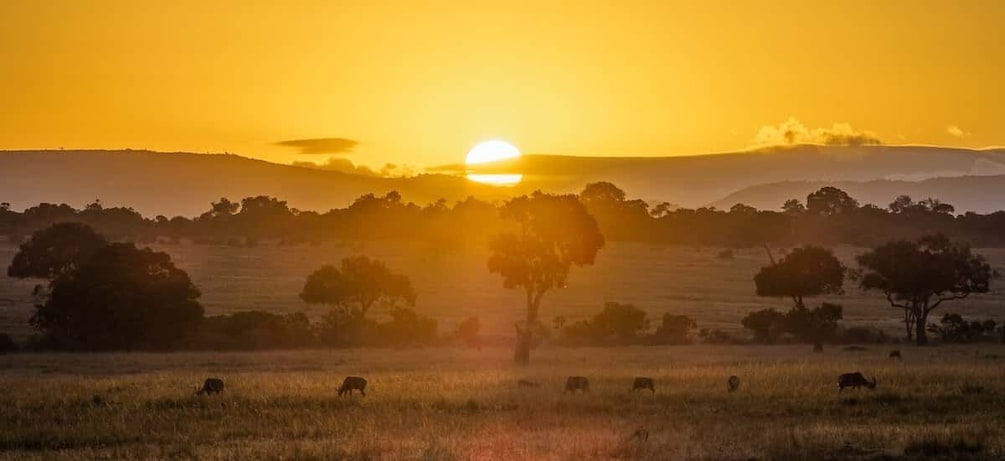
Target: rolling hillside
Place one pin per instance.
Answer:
(184, 184)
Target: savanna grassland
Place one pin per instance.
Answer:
(938, 403)
(454, 283)
(458, 403)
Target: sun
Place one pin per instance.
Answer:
(490, 152)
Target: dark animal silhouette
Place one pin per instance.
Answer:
(211, 386)
(855, 380)
(352, 383)
(640, 434)
(733, 383)
(644, 383)
(576, 383)
(895, 354)
(527, 383)
(818, 347)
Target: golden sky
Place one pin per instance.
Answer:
(420, 82)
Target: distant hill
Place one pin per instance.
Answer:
(982, 194)
(184, 184)
(699, 180)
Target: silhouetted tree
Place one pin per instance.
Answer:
(813, 325)
(674, 329)
(121, 297)
(353, 288)
(616, 216)
(902, 204)
(54, 251)
(621, 321)
(793, 206)
(767, 325)
(805, 271)
(406, 327)
(555, 232)
(830, 201)
(919, 276)
(955, 328)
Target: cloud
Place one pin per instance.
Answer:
(956, 131)
(792, 132)
(339, 164)
(321, 145)
(344, 165)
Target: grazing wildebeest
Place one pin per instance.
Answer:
(351, 383)
(733, 383)
(211, 386)
(644, 383)
(855, 380)
(576, 383)
(895, 354)
(640, 434)
(527, 383)
(818, 347)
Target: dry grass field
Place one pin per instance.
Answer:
(453, 285)
(451, 403)
(443, 404)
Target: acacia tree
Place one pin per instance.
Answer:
(354, 287)
(553, 233)
(919, 276)
(806, 271)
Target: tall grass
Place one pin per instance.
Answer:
(460, 404)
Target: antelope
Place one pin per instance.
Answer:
(527, 383)
(574, 383)
(895, 354)
(351, 383)
(733, 383)
(642, 383)
(211, 386)
(855, 380)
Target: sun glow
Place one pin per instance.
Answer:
(490, 152)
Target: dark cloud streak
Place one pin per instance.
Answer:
(320, 146)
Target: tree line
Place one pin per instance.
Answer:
(826, 217)
(106, 295)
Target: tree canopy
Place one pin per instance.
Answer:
(918, 276)
(54, 251)
(354, 287)
(804, 272)
(829, 201)
(121, 297)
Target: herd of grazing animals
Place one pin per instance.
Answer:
(572, 383)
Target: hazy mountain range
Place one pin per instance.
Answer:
(184, 183)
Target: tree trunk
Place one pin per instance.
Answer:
(522, 354)
(525, 338)
(920, 334)
(909, 324)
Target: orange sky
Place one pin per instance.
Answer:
(420, 82)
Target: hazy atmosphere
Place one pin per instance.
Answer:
(473, 230)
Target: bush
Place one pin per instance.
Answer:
(953, 328)
(255, 330)
(767, 325)
(675, 329)
(616, 323)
